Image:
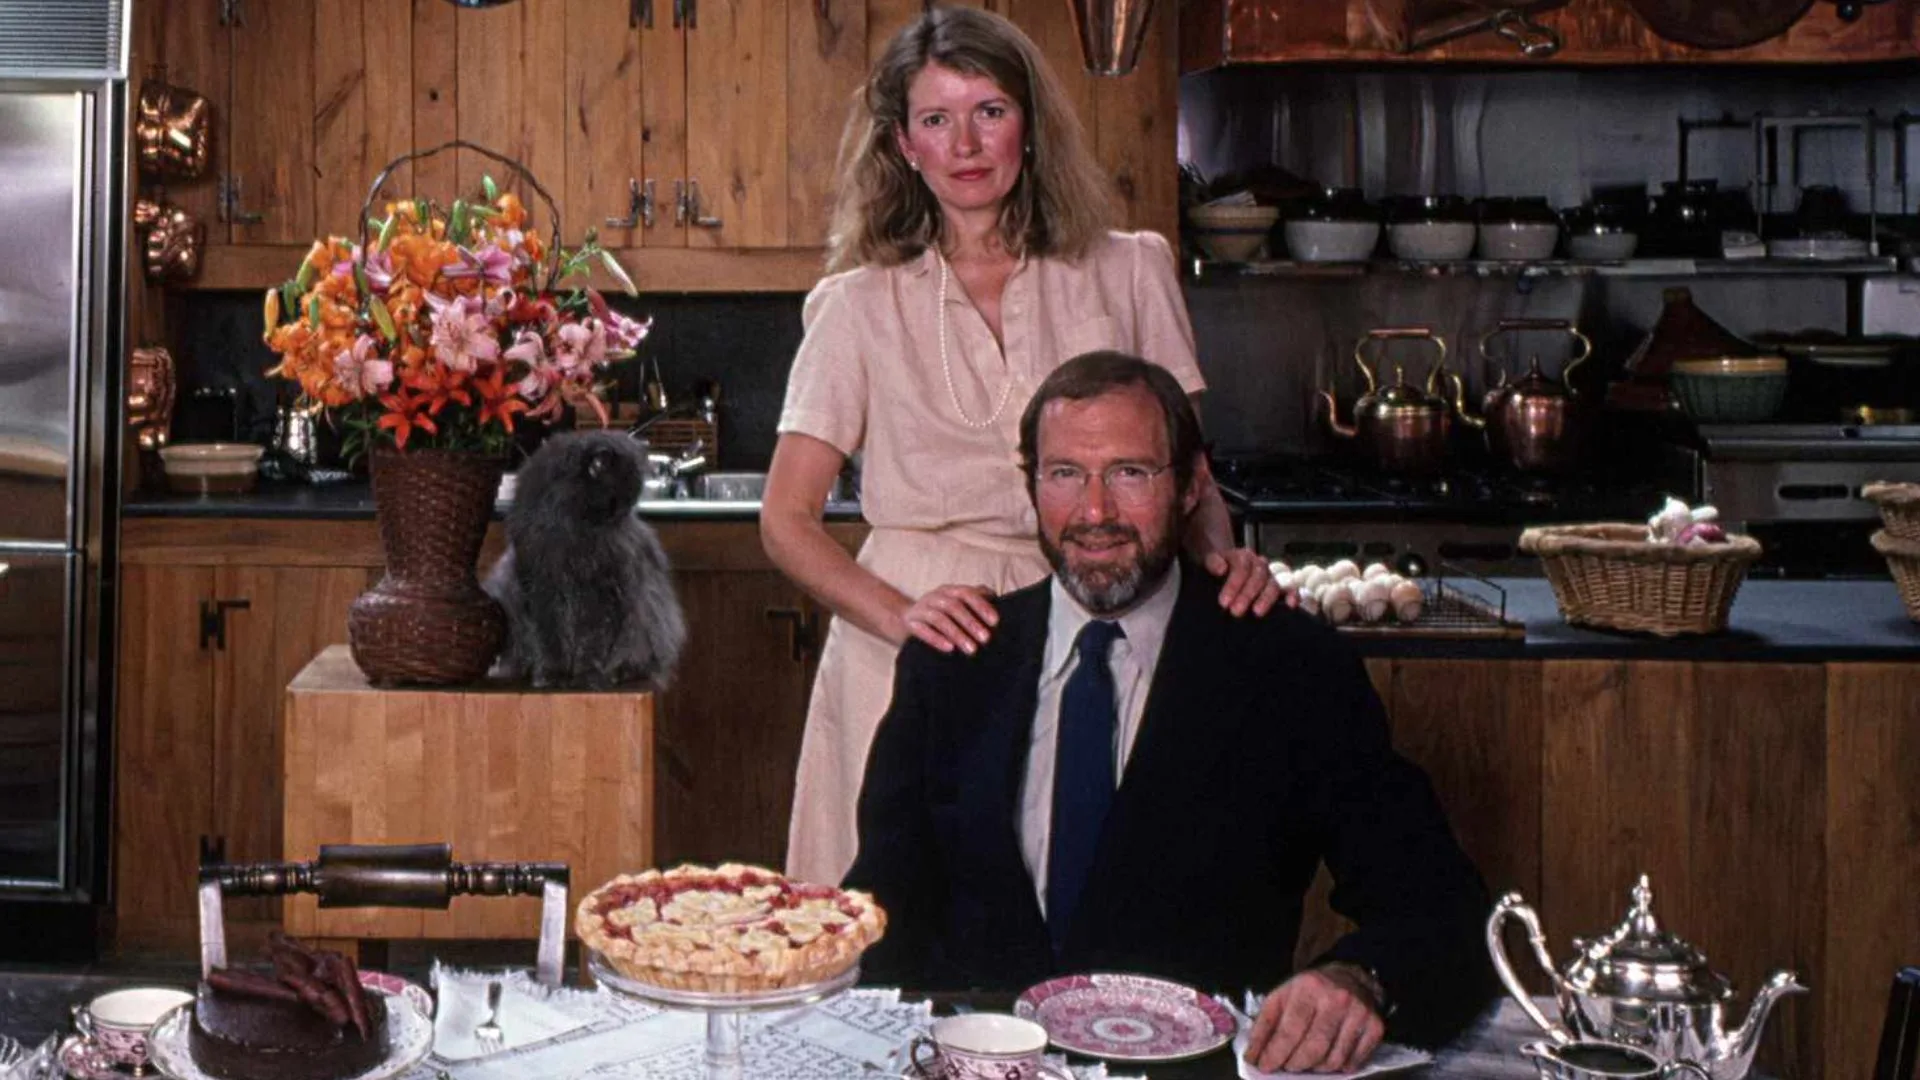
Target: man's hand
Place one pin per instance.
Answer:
(1322, 1020)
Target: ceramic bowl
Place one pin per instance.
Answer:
(1431, 241)
(1730, 389)
(1231, 233)
(1518, 240)
(1602, 246)
(211, 468)
(1312, 240)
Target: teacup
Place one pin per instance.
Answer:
(1592, 1059)
(117, 1022)
(982, 1046)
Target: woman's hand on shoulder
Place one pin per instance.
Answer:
(950, 617)
(1249, 586)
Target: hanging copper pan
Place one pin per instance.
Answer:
(1720, 24)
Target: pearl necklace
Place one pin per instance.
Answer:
(946, 368)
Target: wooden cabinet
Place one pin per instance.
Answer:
(697, 136)
(206, 653)
(1216, 32)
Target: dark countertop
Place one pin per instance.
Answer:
(1771, 622)
(353, 500)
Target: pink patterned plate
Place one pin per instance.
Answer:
(1127, 1017)
(411, 993)
(84, 1061)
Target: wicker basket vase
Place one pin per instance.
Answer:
(428, 622)
(1611, 576)
(1903, 560)
(1899, 508)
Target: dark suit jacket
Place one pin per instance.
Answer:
(1263, 751)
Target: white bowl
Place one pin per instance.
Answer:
(1518, 239)
(1428, 241)
(1602, 247)
(1230, 245)
(1332, 241)
(210, 468)
(1233, 217)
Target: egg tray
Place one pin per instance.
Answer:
(1449, 612)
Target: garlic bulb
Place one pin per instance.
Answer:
(1407, 600)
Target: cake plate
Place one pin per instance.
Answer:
(409, 1040)
(725, 1012)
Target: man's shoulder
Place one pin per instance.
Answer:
(1285, 637)
(1022, 627)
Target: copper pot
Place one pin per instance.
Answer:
(1403, 427)
(1536, 423)
(150, 386)
(170, 131)
(170, 251)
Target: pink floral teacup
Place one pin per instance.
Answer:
(983, 1046)
(116, 1023)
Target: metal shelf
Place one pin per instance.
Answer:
(1203, 270)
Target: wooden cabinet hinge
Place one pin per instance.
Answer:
(213, 621)
(232, 14)
(227, 203)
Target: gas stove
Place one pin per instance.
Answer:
(1320, 510)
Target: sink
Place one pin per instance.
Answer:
(728, 486)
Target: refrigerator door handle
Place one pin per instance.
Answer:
(213, 621)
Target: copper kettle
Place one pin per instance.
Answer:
(1403, 427)
(1537, 424)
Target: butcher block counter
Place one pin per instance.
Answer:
(1768, 779)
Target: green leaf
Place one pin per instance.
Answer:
(290, 300)
(383, 319)
(619, 272)
(386, 232)
(313, 313)
(360, 280)
(305, 277)
(493, 189)
(423, 212)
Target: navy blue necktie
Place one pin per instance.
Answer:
(1083, 774)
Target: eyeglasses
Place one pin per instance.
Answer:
(1130, 485)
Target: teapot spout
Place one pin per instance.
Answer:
(1735, 1052)
(1344, 431)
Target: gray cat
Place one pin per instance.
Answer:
(587, 589)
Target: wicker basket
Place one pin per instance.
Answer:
(1899, 507)
(1611, 576)
(1903, 559)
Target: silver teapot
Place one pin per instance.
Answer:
(1641, 986)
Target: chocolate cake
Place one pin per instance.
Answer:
(246, 1038)
(307, 1019)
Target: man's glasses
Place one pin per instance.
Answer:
(1130, 485)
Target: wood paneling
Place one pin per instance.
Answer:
(271, 122)
(163, 754)
(512, 100)
(187, 37)
(436, 84)
(737, 123)
(663, 123)
(1136, 120)
(656, 268)
(363, 107)
(726, 783)
(1873, 855)
(603, 79)
(825, 71)
(502, 776)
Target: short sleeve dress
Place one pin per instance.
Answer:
(946, 500)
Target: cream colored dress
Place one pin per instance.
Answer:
(946, 501)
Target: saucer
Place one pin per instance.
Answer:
(84, 1061)
(1048, 1071)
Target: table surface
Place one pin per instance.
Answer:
(35, 1003)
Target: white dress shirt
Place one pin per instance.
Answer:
(1132, 659)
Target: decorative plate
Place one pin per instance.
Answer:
(84, 1061)
(409, 1037)
(1127, 1017)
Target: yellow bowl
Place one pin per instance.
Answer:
(1732, 365)
(211, 468)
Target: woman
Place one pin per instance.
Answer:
(972, 239)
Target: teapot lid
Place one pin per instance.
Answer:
(1403, 394)
(1639, 960)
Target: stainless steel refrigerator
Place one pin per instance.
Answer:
(63, 212)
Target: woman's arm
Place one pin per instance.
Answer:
(793, 531)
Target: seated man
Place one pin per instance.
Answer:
(1160, 806)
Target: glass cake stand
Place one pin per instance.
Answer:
(725, 1012)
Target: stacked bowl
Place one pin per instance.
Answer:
(1899, 542)
(1730, 389)
(1231, 233)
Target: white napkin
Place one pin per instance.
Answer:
(1387, 1057)
(529, 1012)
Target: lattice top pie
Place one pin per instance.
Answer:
(727, 929)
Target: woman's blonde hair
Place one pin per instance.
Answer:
(1062, 201)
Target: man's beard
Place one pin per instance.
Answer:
(1109, 588)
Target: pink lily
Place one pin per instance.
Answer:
(489, 264)
(462, 336)
(362, 369)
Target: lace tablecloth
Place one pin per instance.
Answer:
(572, 1034)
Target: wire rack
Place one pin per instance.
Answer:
(1459, 604)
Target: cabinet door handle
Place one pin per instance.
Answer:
(640, 14)
(639, 206)
(803, 630)
(704, 221)
(213, 621)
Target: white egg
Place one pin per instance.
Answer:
(1375, 570)
(1344, 569)
(1336, 602)
(1309, 601)
(1310, 577)
(1277, 567)
(1284, 579)
(1372, 598)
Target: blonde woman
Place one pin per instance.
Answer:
(973, 256)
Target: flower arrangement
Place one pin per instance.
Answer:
(445, 324)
